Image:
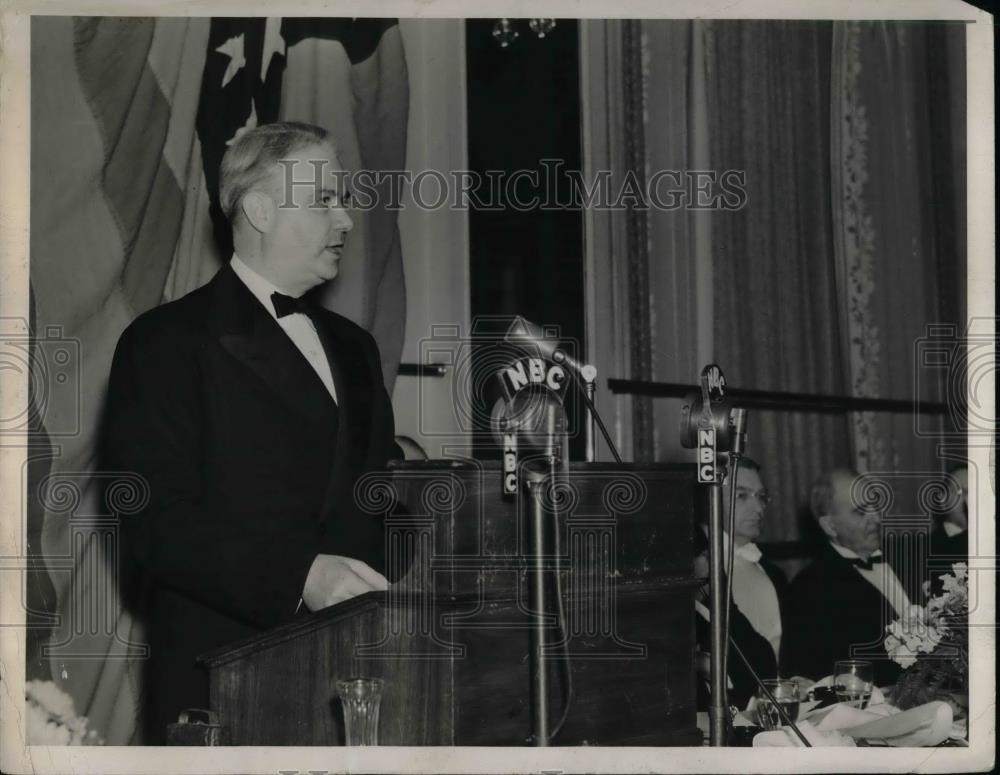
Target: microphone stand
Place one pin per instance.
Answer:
(718, 712)
(537, 476)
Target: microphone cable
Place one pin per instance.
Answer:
(561, 615)
(731, 555)
(582, 392)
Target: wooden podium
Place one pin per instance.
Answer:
(452, 638)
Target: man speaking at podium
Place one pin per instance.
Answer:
(251, 413)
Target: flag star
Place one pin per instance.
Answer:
(273, 44)
(251, 122)
(232, 48)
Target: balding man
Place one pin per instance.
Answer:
(846, 597)
(251, 412)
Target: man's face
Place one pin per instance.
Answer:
(751, 500)
(304, 245)
(849, 524)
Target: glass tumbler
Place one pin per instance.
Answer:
(786, 694)
(853, 680)
(360, 698)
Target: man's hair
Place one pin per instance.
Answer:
(252, 156)
(823, 489)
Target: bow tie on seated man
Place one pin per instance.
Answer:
(839, 605)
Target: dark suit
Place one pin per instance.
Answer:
(831, 608)
(251, 468)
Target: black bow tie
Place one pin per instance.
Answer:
(857, 562)
(289, 305)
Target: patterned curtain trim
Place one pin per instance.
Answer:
(854, 240)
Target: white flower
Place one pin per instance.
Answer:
(51, 717)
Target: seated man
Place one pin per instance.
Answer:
(755, 648)
(758, 586)
(839, 606)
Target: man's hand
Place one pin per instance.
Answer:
(334, 579)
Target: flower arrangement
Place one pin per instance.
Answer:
(932, 644)
(51, 718)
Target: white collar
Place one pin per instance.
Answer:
(951, 529)
(749, 552)
(257, 284)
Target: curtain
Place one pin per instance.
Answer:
(896, 152)
(897, 181)
(849, 250)
(680, 258)
(776, 310)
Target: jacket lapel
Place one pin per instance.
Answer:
(353, 381)
(254, 338)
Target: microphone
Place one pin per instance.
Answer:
(535, 414)
(738, 420)
(526, 334)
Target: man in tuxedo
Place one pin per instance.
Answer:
(758, 585)
(251, 412)
(838, 606)
(755, 616)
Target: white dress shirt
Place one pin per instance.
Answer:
(882, 577)
(754, 592)
(299, 327)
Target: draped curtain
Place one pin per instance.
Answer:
(776, 308)
(850, 244)
(680, 264)
(120, 223)
(898, 184)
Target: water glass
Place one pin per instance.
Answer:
(853, 680)
(786, 694)
(361, 698)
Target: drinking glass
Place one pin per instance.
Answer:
(361, 698)
(786, 694)
(853, 680)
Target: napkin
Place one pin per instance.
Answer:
(785, 738)
(926, 725)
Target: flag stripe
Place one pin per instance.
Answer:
(134, 115)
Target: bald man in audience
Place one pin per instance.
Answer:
(838, 606)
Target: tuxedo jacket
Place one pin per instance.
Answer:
(251, 469)
(830, 608)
